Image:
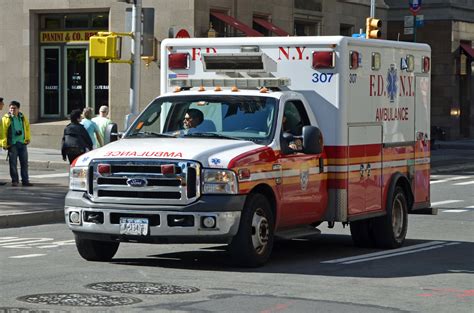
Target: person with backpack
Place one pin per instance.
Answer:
(76, 140)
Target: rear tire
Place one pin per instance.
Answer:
(94, 250)
(361, 233)
(253, 243)
(390, 230)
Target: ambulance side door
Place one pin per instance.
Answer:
(303, 187)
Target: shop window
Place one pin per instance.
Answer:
(221, 28)
(259, 27)
(76, 21)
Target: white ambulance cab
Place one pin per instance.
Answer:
(258, 138)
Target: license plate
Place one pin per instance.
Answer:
(133, 226)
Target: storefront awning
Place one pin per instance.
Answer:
(468, 49)
(274, 29)
(229, 20)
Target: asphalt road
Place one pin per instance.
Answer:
(431, 273)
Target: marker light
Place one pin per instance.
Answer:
(426, 64)
(324, 59)
(178, 61)
(168, 169)
(104, 169)
(354, 60)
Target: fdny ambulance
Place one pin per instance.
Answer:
(258, 138)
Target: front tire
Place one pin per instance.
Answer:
(253, 243)
(94, 250)
(390, 230)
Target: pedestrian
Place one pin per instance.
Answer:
(15, 137)
(91, 127)
(1, 131)
(102, 120)
(76, 140)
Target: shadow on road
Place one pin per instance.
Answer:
(305, 257)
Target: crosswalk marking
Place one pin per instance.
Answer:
(50, 175)
(26, 256)
(464, 183)
(27, 243)
(445, 202)
(391, 253)
(449, 179)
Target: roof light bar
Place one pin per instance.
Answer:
(256, 62)
(241, 83)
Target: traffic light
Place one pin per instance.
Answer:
(372, 28)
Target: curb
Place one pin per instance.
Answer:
(452, 168)
(32, 218)
(41, 165)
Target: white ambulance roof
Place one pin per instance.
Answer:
(294, 40)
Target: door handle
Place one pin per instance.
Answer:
(362, 170)
(368, 169)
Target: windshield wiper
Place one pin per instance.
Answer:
(211, 135)
(151, 134)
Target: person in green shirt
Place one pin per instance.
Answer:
(15, 136)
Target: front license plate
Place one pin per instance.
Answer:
(133, 226)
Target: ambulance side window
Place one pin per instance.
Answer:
(294, 117)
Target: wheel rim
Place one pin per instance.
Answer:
(260, 231)
(397, 217)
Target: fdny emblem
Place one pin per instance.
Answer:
(304, 177)
(137, 182)
(392, 83)
(216, 161)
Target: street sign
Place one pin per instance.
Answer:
(420, 20)
(408, 21)
(415, 6)
(408, 31)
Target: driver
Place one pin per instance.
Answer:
(296, 144)
(192, 118)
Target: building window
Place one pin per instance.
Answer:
(76, 21)
(221, 28)
(310, 5)
(100, 20)
(305, 28)
(346, 30)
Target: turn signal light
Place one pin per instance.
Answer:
(178, 61)
(167, 169)
(324, 59)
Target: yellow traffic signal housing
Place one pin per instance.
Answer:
(372, 28)
(103, 47)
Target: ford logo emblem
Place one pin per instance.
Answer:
(137, 182)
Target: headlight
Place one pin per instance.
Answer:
(219, 181)
(78, 178)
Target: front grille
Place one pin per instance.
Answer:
(142, 182)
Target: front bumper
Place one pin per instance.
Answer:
(162, 229)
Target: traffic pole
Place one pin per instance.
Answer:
(135, 66)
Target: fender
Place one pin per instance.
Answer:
(399, 179)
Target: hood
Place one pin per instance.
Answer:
(209, 152)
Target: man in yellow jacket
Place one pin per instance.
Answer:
(1, 129)
(14, 138)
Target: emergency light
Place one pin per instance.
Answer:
(241, 83)
(324, 59)
(426, 64)
(354, 60)
(178, 61)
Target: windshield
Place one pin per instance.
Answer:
(227, 117)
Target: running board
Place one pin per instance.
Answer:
(299, 232)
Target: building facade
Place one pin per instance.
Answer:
(448, 27)
(44, 47)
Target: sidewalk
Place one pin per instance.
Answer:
(44, 202)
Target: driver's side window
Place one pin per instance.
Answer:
(294, 118)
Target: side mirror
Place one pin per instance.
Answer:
(111, 133)
(312, 140)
